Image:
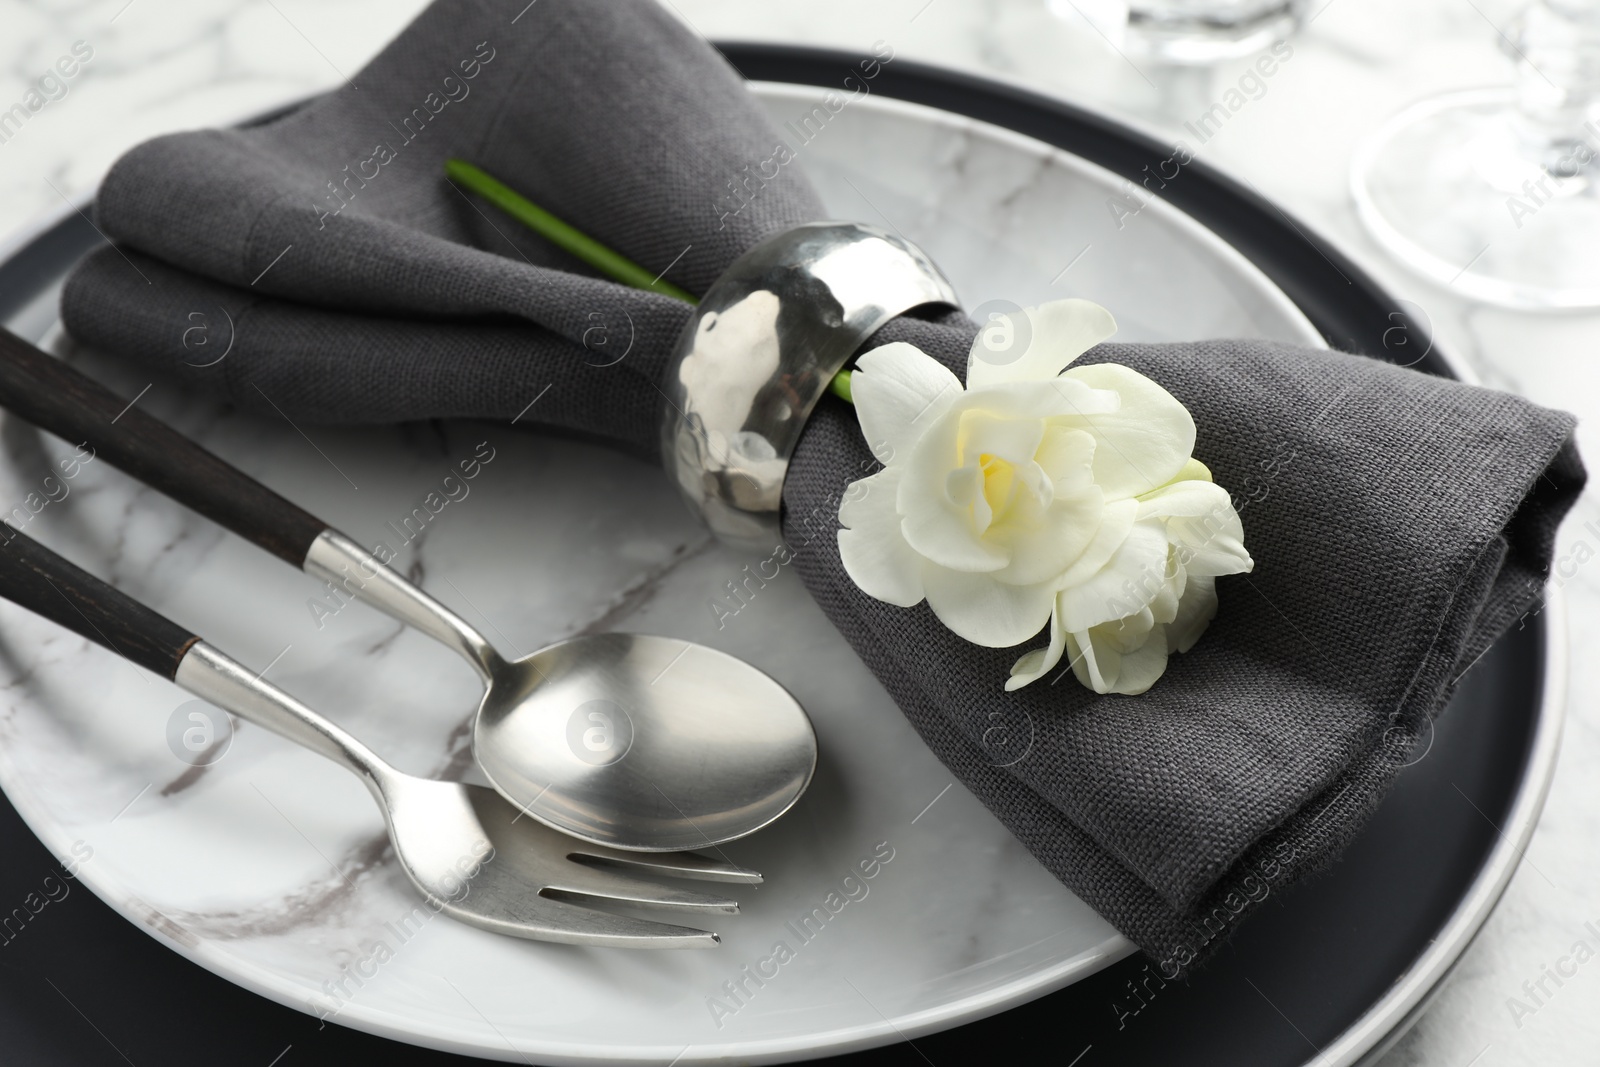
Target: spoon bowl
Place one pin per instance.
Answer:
(643, 743)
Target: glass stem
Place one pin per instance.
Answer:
(1556, 46)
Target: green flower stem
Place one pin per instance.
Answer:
(563, 235)
(615, 266)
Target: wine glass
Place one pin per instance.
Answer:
(1496, 192)
(1183, 32)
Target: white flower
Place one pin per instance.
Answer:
(1040, 494)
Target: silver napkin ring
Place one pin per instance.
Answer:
(764, 342)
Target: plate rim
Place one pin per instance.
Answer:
(1173, 215)
(1409, 997)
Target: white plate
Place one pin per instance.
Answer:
(269, 868)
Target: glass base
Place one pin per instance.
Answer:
(1206, 32)
(1460, 191)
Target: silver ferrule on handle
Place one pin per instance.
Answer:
(355, 572)
(763, 344)
(214, 677)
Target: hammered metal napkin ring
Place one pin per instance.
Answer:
(758, 354)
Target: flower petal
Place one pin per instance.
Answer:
(1128, 634)
(875, 555)
(1164, 608)
(1050, 336)
(932, 522)
(1041, 661)
(1011, 438)
(1067, 456)
(1202, 525)
(899, 391)
(964, 487)
(986, 612)
(1085, 663)
(1064, 532)
(1188, 499)
(1196, 609)
(1145, 442)
(1132, 578)
(1051, 398)
(1116, 520)
(1107, 664)
(1139, 669)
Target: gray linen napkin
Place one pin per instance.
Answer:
(1399, 522)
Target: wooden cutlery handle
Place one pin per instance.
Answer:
(78, 409)
(33, 577)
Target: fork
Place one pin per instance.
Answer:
(467, 850)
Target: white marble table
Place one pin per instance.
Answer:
(159, 65)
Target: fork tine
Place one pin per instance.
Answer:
(580, 883)
(545, 918)
(584, 926)
(590, 927)
(531, 884)
(670, 864)
(514, 898)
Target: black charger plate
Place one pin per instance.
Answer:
(1328, 973)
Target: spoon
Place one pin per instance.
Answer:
(624, 740)
(461, 845)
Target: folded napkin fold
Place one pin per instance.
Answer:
(1399, 522)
